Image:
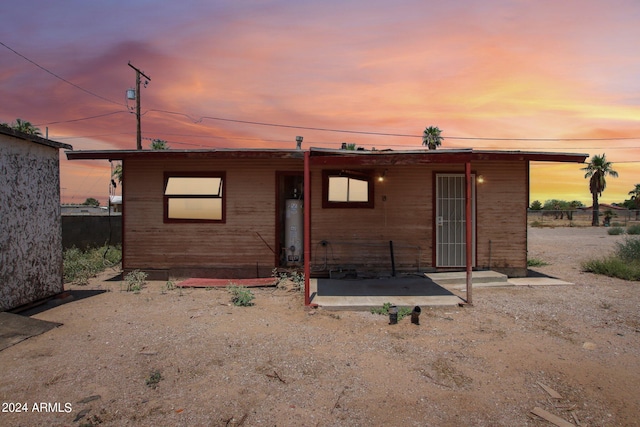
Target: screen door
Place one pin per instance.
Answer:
(451, 221)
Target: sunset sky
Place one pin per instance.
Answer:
(492, 74)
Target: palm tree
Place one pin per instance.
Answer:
(635, 198)
(26, 127)
(431, 137)
(159, 144)
(117, 173)
(597, 170)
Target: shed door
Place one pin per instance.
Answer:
(450, 220)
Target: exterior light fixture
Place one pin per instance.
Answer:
(382, 176)
(480, 179)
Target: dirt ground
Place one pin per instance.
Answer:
(189, 358)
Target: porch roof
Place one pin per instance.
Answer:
(214, 153)
(324, 156)
(389, 157)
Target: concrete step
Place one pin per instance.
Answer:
(460, 277)
(367, 303)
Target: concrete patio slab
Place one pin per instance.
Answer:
(538, 281)
(363, 294)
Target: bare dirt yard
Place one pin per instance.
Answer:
(189, 358)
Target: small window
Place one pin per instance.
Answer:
(194, 197)
(347, 189)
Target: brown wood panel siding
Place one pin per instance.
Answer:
(151, 244)
(502, 201)
(403, 213)
(360, 237)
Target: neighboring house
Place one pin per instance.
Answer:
(237, 213)
(116, 204)
(30, 224)
(83, 210)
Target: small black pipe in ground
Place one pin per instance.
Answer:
(393, 261)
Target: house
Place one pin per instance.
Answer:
(239, 213)
(30, 225)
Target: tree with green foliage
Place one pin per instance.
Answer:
(597, 170)
(159, 144)
(24, 127)
(635, 199)
(536, 205)
(91, 202)
(117, 173)
(431, 137)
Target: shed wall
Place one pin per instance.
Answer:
(30, 224)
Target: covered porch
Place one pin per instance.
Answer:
(424, 290)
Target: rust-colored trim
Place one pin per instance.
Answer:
(469, 231)
(364, 174)
(124, 216)
(307, 228)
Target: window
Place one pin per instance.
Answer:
(193, 197)
(347, 189)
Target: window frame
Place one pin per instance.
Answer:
(207, 174)
(362, 175)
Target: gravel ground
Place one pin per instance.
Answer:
(188, 358)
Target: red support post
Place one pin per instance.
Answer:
(307, 227)
(469, 231)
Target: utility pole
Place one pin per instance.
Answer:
(138, 74)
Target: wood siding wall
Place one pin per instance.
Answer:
(340, 238)
(359, 238)
(230, 249)
(403, 213)
(502, 202)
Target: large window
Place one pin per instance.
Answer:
(347, 189)
(194, 197)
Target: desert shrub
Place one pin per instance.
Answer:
(241, 296)
(614, 231)
(633, 229)
(384, 310)
(283, 279)
(629, 250)
(614, 267)
(154, 379)
(79, 266)
(624, 264)
(535, 262)
(135, 279)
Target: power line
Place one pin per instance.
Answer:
(280, 125)
(61, 78)
(359, 132)
(83, 118)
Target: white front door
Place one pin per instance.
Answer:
(451, 221)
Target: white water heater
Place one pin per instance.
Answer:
(293, 231)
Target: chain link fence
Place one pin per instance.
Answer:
(582, 217)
